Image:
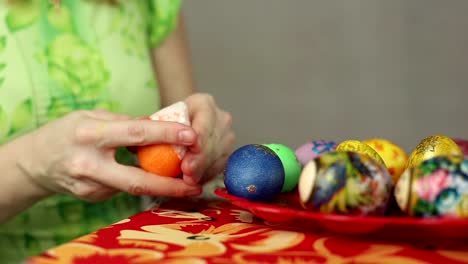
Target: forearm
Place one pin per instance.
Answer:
(173, 67)
(18, 190)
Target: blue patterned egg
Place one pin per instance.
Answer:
(345, 182)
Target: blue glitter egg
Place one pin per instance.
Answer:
(254, 172)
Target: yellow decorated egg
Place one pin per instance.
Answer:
(361, 148)
(394, 156)
(433, 146)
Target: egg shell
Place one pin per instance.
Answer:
(254, 172)
(177, 112)
(394, 156)
(165, 159)
(359, 147)
(437, 187)
(345, 182)
(310, 150)
(291, 165)
(433, 146)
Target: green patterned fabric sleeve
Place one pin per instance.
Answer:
(56, 59)
(163, 16)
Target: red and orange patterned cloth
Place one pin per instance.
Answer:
(215, 231)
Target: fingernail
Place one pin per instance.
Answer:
(186, 136)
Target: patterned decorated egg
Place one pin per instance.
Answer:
(292, 167)
(345, 182)
(394, 156)
(254, 172)
(359, 147)
(436, 187)
(433, 146)
(313, 149)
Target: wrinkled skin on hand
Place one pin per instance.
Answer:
(216, 138)
(76, 154)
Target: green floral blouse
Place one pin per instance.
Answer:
(80, 54)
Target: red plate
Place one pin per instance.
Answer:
(286, 212)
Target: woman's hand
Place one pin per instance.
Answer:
(216, 138)
(76, 155)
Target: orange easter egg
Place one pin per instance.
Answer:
(160, 159)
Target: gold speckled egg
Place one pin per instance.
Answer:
(433, 146)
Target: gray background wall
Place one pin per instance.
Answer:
(292, 71)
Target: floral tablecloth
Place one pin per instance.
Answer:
(215, 231)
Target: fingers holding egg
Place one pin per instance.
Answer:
(165, 159)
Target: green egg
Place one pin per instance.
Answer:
(292, 166)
